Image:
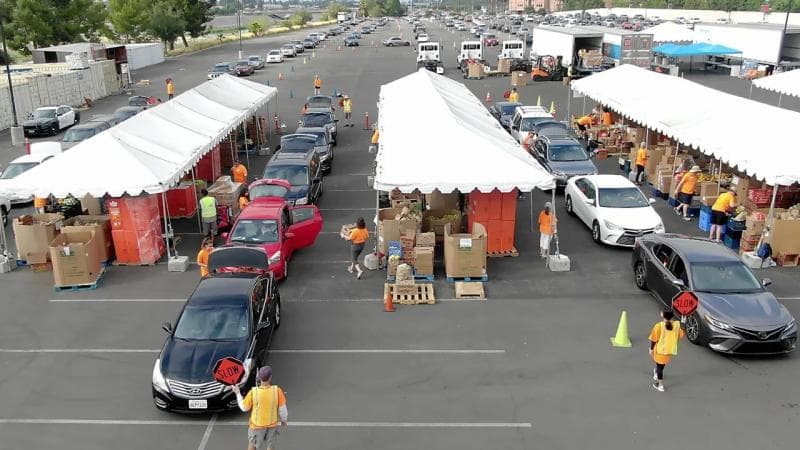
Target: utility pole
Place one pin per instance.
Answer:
(239, 24)
(16, 137)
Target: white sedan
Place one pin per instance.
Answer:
(423, 38)
(612, 207)
(276, 56)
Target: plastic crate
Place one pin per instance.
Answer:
(733, 234)
(735, 225)
(705, 220)
(673, 202)
(731, 242)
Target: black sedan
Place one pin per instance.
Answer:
(231, 313)
(502, 111)
(735, 313)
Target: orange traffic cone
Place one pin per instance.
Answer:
(488, 97)
(388, 306)
(280, 75)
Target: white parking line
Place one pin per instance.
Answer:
(428, 351)
(117, 300)
(207, 434)
(788, 298)
(237, 423)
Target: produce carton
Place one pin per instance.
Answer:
(465, 254)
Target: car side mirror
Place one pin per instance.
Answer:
(166, 326)
(766, 282)
(224, 235)
(289, 235)
(678, 282)
(263, 325)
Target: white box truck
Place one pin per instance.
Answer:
(564, 43)
(429, 57)
(470, 50)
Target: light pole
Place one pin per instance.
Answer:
(239, 24)
(16, 137)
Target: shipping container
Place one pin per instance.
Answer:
(143, 55)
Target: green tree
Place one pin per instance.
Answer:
(197, 14)
(129, 18)
(393, 8)
(166, 22)
(256, 28)
(50, 22)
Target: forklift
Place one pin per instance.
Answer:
(547, 68)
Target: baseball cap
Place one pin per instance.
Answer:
(264, 373)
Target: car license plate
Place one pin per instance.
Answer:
(198, 404)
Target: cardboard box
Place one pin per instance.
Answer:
(389, 228)
(663, 179)
(653, 160)
(101, 226)
(423, 260)
(227, 193)
(437, 200)
(637, 136)
(475, 70)
(465, 254)
(708, 188)
(709, 200)
(785, 236)
(435, 221)
(33, 234)
(426, 239)
(504, 65)
(91, 205)
(519, 78)
(75, 258)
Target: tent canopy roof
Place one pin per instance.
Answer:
(152, 150)
(696, 49)
(435, 134)
(671, 32)
(703, 118)
(787, 83)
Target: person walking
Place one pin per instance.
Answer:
(529, 141)
(719, 214)
(664, 345)
(641, 161)
(358, 238)
(684, 192)
(347, 106)
(513, 97)
(547, 227)
(317, 84)
(239, 172)
(202, 256)
(267, 403)
(208, 213)
(244, 199)
(170, 89)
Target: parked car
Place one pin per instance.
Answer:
(320, 101)
(502, 111)
(612, 207)
(80, 133)
(39, 153)
(230, 313)
(244, 69)
(563, 157)
(321, 117)
(490, 40)
(50, 120)
(298, 45)
(735, 314)
(350, 41)
(395, 41)
(302, 171)
(322, 145)
(124, 113)
(221, 69)
(288, 50)
(525, 119)
(110, 119)
(309, 43)
(423, 37)
(256, 61)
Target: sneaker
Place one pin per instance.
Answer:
(350, 269)
(360, 272)
(658, 386)
(688, 219)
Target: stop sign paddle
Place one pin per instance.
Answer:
(684, 303)
(228, 370)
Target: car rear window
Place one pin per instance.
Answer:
(312, 120)
(295, 175)
(256, 231)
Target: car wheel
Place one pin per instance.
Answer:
(596, 232)
(694, 330)
(3, 216)
(640, 276)
(568, 206)
(53, 129)
(277, 314)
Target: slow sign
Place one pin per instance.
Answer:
(684, 303)
(228, 370)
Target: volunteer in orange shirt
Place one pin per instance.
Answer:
(239, 172)
(39, 203)
(664, 339)
(244, 199)
(317, 84)
(268, 405)
(719, 213)
(583, 124)
(684, 192)
(513, 96)
(202, 256)
(547, 227)
(641, 161)
(358, 239)
(607, 117)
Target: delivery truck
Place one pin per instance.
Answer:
(564, 43)
(429, 57)
(470, 50)
(626, 47)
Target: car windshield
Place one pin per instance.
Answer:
(274, 52)
(321, 139)
(254, 58)
(507, 110)
(268, 190)
(77, 135)
(44, 113)
(529, 123)
(629, 197)
(312, 120)
(295, 175)
(255, 231)
(723, 277)
(220, 68)
(212, 323)
(14, 170)
(243, 62)
(571, 152)
(288, 46)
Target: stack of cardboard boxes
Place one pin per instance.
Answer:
(33, 235)
(519, 78)
(76, 258)
(100, 226)
(227, 193)
(423, 254)
(394, 226)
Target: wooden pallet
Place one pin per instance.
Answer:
(470, 290)
(424, 294)
(787, 259)
(417, 278)
(80, 287)
(150, 264)
(454, 279)
(513, 253)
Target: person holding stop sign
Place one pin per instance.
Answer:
(268, 405)
(664, 345)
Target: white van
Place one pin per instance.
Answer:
(512, 50)
(429, 57)
(470, 50)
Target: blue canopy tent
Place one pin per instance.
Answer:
(696, 49)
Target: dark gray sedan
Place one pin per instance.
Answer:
(735, 313)
(502, 111)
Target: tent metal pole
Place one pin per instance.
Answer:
(770, 217)
(780, 97)
(583, 110)
(166, 223)
(569, 103)
(197, 202)
(232, 140)
(646, 137)
(750, 96)
(246, 150)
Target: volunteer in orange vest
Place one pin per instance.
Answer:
(358, 238)
(684, 192)
(513, 97)
(547, 227)
(719, 213)
(607, 120)
(202, 256)
(317, 84)
(170, 89)
(641, 161)
(239, 172)
(583, 124)
(268, 405)
(664, 339)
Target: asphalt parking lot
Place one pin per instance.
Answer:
(531, 367)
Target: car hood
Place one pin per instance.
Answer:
(573, 167)
(632, 218)
(38, 121)
(754, 311)
(192, 361)
(321, 149)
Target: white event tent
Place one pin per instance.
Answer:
(786, 83)
(671, 32)
(435, 134)
(705, 119)
(152, 150)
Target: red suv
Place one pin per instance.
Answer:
(278, 228)
(491, 41)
